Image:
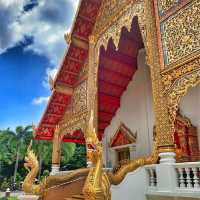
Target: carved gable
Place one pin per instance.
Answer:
(123, 136)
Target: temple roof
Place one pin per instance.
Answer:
(117, 67)
(68, 75)
(123, 136)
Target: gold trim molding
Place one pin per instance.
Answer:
(110, 12)
(74, 122)
(169, 77)
(114, 31)
(180, 89)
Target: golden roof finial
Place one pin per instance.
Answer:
(51, 82)
(68, 38)
(34, 129)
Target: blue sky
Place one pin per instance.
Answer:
(31, 47)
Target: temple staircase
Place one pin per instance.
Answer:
(66, 190)
(76, 197)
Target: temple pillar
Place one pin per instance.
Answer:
(89, 162)
(132, 152)
(56, 154)
(164, 131)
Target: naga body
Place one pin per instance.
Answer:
(97, 185)
(32, 165)
(98, 182)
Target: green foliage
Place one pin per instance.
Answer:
(3, 198)
(9, 198)
(14, 145)
(5, 184)
(78, 160)
(12, 198)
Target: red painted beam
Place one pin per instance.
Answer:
(108, 100)
(114, 78)
(110, 89)
(103, 116)
(117, 66)
(74, 141)
(102, 125)
(112, 84)
(118, 56)
(108, 109)
(112, 71)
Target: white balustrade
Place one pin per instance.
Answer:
(188, 175)
(175, 179)
(151, 173)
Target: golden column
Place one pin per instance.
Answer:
(163, 126)
(56, 154)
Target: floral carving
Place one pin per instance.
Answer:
(165, 5)
(180, 33)
(76, 113)
(114, 31)
(79, 100)
(169, 77)
(179, 89)
(72, 123)
(108, 11)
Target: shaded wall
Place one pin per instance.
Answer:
(136, 112)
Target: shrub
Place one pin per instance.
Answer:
(5, 185)
(9, 198)
(12, 198)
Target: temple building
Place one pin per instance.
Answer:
(128, 88)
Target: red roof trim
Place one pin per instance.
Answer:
(70, 65)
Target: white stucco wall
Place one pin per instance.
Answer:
(133, 187)
(136, 112)
(190, 107)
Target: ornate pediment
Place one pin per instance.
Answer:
(108, 10)
(123, 136)
(164, 6)
(180, 34)
(111, 11)
(75, 118)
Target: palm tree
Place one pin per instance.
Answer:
(67, 151)
(43, 150)
(18, 140)
(6, 150)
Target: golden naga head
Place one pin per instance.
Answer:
(30, 158)
(91, 132)
(94, 151)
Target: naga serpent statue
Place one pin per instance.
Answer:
(97, 185)
(98, 182)
(32, 165)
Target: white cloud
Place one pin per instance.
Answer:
(40, 100)
(46, 23)
(10, 33)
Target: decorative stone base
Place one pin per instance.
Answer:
(28, 197)
(167, 158)
(55, 169)
(170, 196)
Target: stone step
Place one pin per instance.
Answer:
(78, 197)
(75, 197)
